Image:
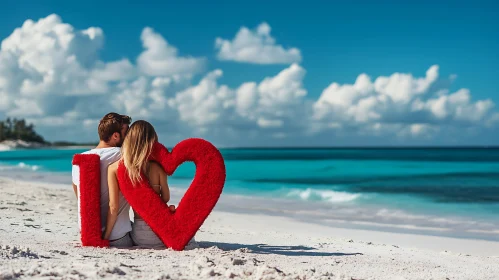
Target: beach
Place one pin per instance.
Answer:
(349, 153)
(39, 239)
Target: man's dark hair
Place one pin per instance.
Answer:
(111, 123)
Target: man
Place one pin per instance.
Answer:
(114, 216)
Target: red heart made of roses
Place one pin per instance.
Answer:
(177, 228)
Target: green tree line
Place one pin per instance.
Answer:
(14, 129)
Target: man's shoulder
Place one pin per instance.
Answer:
(113, 150)
(103, 151)
(107, 155)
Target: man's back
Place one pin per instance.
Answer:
(107, 157)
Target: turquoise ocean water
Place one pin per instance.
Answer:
(452, 192)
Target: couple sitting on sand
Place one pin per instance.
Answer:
(131, 144)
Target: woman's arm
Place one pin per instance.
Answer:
(112, 214)
(163, 181)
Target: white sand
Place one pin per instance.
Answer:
(38, 239)
(4, 147)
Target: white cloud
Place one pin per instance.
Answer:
(403, 87)
(114, 71)
(257, 47)
(275, 98)
(418, 130)
(400, 99)
(268, 104)
(48, 54)
(161, 59)
(44, 64)
(458, 106)
(52, 74)
(264, 123)
(284, 89)
(204, 103)
(51, 71)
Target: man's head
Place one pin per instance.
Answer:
(113, 128)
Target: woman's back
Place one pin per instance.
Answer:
(157, 179)
(142, 234)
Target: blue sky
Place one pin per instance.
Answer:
(338, 40)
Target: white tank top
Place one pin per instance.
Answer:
(123, 224)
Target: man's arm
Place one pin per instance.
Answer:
(112, 214)
(76, 191)
(75, 174)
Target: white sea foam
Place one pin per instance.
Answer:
(454, 222)
(27, 166)
(323, 195)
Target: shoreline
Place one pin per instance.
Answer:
(38, 237)
(231, 203)
(344, 216)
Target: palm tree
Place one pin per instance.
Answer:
(17, 129)
(2, 128)
(8, 129)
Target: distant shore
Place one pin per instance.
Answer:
(8, 145)
(20, 144)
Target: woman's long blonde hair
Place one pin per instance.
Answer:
(137, 147)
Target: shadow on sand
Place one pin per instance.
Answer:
(279, 250)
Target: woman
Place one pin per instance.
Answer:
(135, 151)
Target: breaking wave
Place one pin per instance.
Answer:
(310, 194)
